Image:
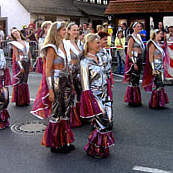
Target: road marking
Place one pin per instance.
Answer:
(118, 80)
(151, 170)
(31, 99)
(118, 75)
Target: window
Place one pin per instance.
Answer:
(105, 2)
(99, 1)
(92, 1)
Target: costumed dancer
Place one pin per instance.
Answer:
(39, 62)
(133, 66)
(168, 60)
(76, 54)
(5, 81)
(80, 41)
(95, 100)
(22, 64)
(58, 135)
(106, 59)
(154, 72)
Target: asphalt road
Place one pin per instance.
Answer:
(144, 138)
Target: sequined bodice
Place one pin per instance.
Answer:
(97, 77)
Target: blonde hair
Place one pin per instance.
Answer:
(89, 38)
(68, 28)
(153, 33)
(45, 24)
(99, 27)
(53, 36)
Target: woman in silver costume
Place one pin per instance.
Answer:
(76, 54)
(22, 64)
(58, 135)
(5, 81)
(154, 72)
(106, 59)
(133, 66)
(95, 101)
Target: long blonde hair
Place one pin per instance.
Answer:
(89, 38)
(53, 36)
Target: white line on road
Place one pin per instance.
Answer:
(117, 80)
(151, 170)
(118, 75)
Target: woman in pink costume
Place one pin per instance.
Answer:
(22, 64)
(154, 72)
(133, 66)
(76, 54)
(58, 135)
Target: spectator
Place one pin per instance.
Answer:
(99, 28)
(80, 27)
(120, 51)
(31, 33)
(80, 42)
(170, 34)
(105, 27)
(24, 30)
(161, 28)
(143, 33)
(85, 28)
(125, 29)
(90, 28)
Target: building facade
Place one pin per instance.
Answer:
(141, 10)
(16, 13)
(13, 14)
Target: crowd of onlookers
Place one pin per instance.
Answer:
(118, 37)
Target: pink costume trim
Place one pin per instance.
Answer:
(39, 65)
(89, 106)
(109, 88)
(42, 104)
(75, 116)
(4, 116)
(7, 77)
(159, 98)
(133, 95)
(99, 143)
(58, 134)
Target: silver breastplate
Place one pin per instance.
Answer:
(158, 64)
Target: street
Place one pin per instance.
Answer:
(144, 140)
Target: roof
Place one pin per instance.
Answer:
(63, 7)
(139, 6)
(51, 7)
(90, 9)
